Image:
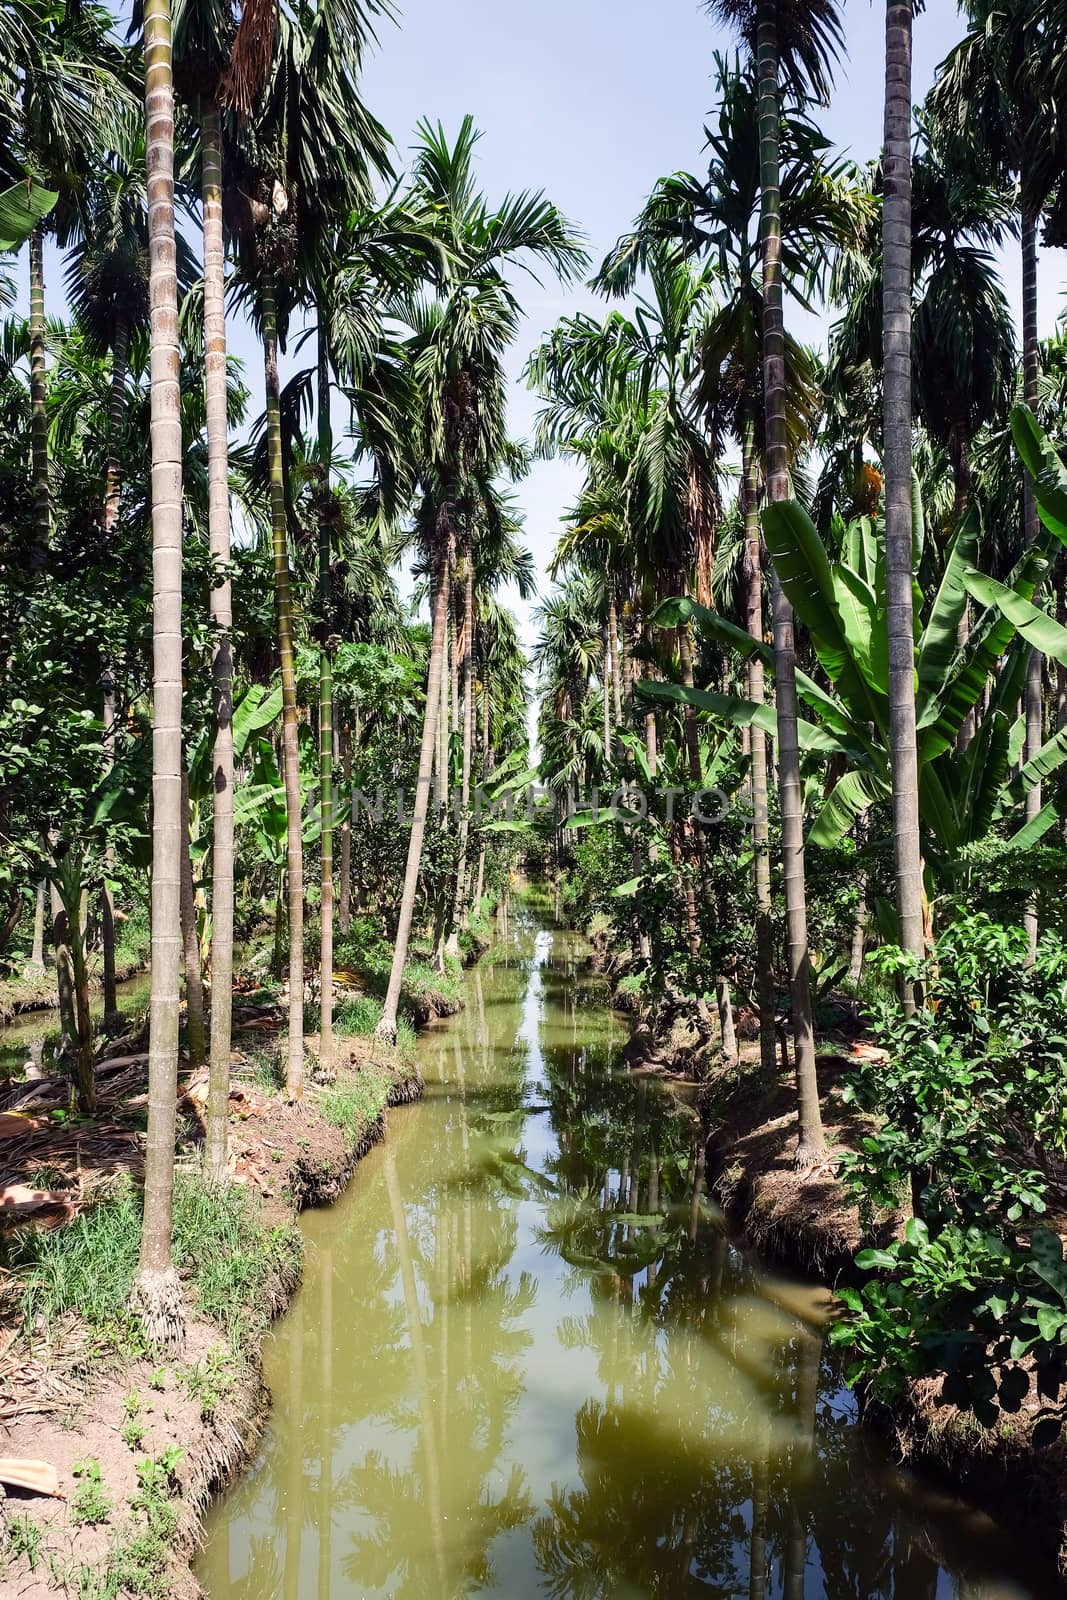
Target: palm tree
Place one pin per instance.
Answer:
(71, 96)
(896, 319)
(722, 213)
(796, 42)
(309, 153)
(156, 1292)
(458, 429)
(107, 287)
(493, 557)
(988, 104)
(203, 40)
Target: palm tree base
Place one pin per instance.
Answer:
(809, 1153)
(386, 1031)
(156, 1299)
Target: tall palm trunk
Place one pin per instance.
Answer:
(605, 673)
(283, 601)
(810, 1144)
(1035, 670)
(613, 642)
(64, 971)
(156, 1292)
(344, 909)
(896, 317)
(386, 1028)
(325, 705)
(42, 497)
(761, 848)
(194, 982)
(466, 653)
(112, 486)
(36, 961)
(218, 513)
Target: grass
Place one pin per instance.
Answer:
(220, 1248)
(358, 1102)
(365, 953)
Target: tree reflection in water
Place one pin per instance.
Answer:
(528, 1361)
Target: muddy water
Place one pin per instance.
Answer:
(527, 1361)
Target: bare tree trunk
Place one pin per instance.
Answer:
(326, 514)
(107, 904)
(766, 995)
(112, 490)
(36, 961)
(896, 317)
(810, 1143)
(386, 1028)
(64, 972)
(222, 843)
(466, 652)
(42, 495)
(605, 674)
(294, 1066)
(727, 1031)
(1036, 665)
(613, 642)
(156, 1292)
(194, 983)
(344, 910)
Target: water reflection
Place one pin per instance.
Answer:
(527, 1361)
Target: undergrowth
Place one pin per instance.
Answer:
(222, 1251)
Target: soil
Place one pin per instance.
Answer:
(56, 1406)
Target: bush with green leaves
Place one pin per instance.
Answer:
(968, 1116)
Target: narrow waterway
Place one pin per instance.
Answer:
(526, 1360)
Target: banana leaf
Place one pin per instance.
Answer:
(1034, 830)
(940, 635)
(1035, 625)
(804, 573)
(1045, 468)
(852, 796)
(673, 613)
(21, 208)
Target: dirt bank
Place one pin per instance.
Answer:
(140, 1446)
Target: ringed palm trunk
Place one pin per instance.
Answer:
(1035, 670)
(194, 981)
(344, 910)
(896, 316)
(466, 653)
(222, 849)
(156, 1293)
(325, 709)
(283, 601)
(36, 961)
(761, 848)
(810, 1144)
(42, 499)
(386, 1028)
(112, 485)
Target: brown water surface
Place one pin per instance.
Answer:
(526, 1360)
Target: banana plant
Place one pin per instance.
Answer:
(841, 603)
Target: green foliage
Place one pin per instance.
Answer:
(91, 1503)
(24, 1538)
(220, 1248)
(967, 1111)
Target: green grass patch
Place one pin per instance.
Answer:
(221, 1250)
(357, 1102)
